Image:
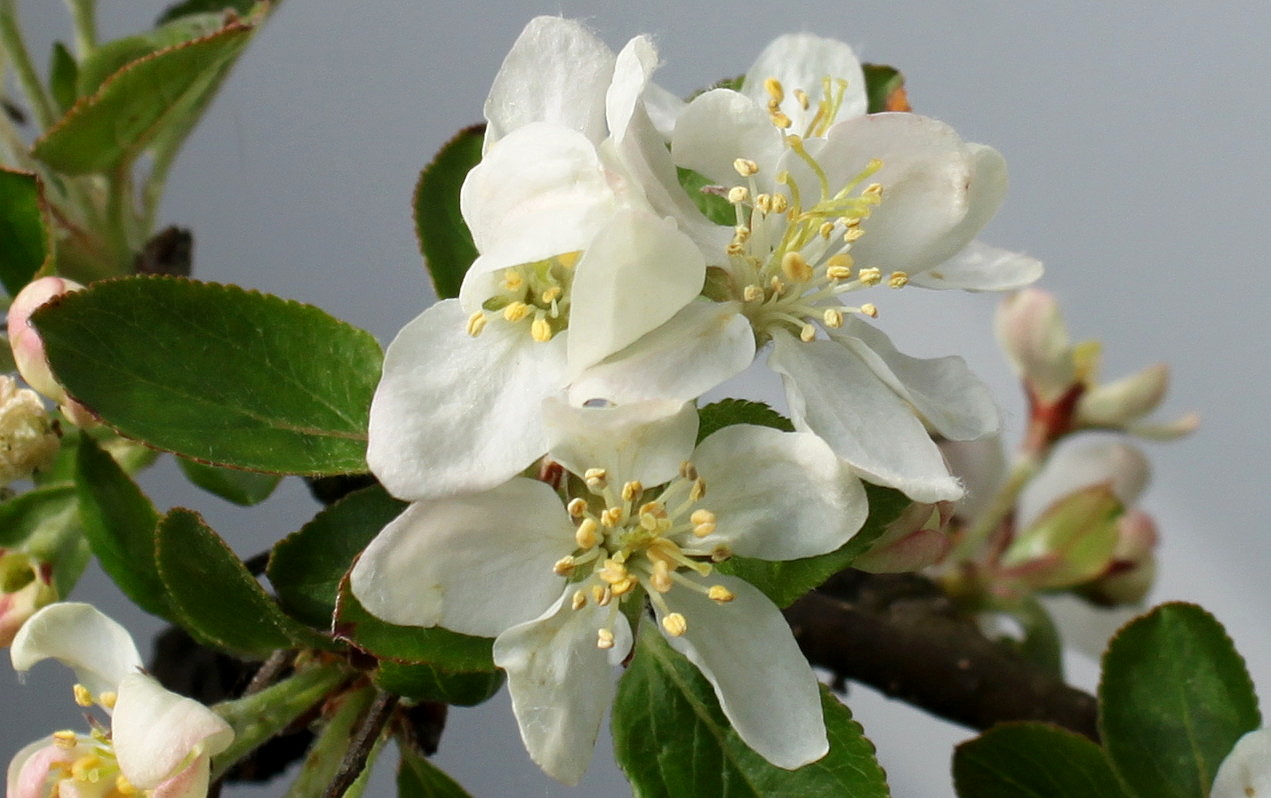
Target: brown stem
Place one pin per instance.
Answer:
(900, 635)
(368, 734)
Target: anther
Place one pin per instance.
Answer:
(738, 194)
(541, 330)
(611, 517)
(688, 470)
(781, 120)
(601, 595)
(774, 89)
(703, 522)
(780, 204)
(577, 508)
(65, 739)
(551, 295)
(82, 696)
(85, 768)
(107, 699)
(870, 309)
(871, 276)
(476, 323)
(776, 286)
(721, 553)
(852, 234)
(698, 490)
(832, 318)
(604, 639)
(752, 293)
(660, 580)
(579, 600)
(873, 190)
(564, 566)
(720, 594)
(741, 233)
(596, 479)
(674, 624)
(802, 97)
(763, 203)
(795, 267)
(632, 490)
(745, 167)
(826, 229)
(898, 280)
(516, 311)
(735, 248)
(123, 786)
(807, 333)
(587, 534)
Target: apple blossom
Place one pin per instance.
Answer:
(158, 744)
(28, 349)
(1246, 772)
(557, 573)
(28, 438)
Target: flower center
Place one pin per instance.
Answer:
(635, 537)
(533, 295)
(833, 90)
(88, 767)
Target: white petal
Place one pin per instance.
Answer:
(632, 69)
(981, 467)
(477, 563)
(637, 273)
(1247, 769)
(155, 730)
(721, 126)
(802, 61)
(557, 71)
(30, 766)
(80, 636)
(1071, 468)
(705, 344)
(745, 650)
(943, 390)
(455, 412)
(542, 191)
(664, 108)
(189, 782)
(834, 394)
(645, 441)
(778, 495)
(561, 683)
(979, 267)
(937, 190)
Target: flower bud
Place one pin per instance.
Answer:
(1073, 541)
(25, 586)
(913, 541)
(1031, 332)
(28, 349)
(1129, 576)
(1119, 403)
(28, 439)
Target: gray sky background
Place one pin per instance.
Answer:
(1137, 136)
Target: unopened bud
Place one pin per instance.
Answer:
(28, 348)
(1129, 576)
(25, 586)
(1120, 403)
(1031, 332)
(1072, 542)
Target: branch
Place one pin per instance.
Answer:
(899, 634)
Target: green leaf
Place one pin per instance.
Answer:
(1174, 699)
(727, 412)
(23, 514)
(1033, 760)
(189, 7)
(216, 373)
(24, 231)
(428, 683)
(217, 600)
(784, 582)
(672, 739)
(45, 523)
(444, 240)
(411, 645)
(112, 56)
(881, 85)
(307, 566)
(419, 778)
(240, 487)
(63, 77)
(106, 132)
(713, 206)
(120, 523)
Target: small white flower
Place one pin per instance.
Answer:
(640, 513)
(1246, 772)
(159, 744)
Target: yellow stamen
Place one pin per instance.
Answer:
(832, 318)
(703, 522)
(898, 280)
(541, 330)
(780, 203)
(795, 267)
(587, 534)
(852, 234)
(870, 310)
(698, 490)
(576, 507)
(763, 203)
(516, 311)
(107, 699)
(595, 479)
(632, 490)
(564, 566)
(745, 167)
(752, 293)
(604, 639)
(774, 89)
(807, 333)
(688, 470)
(738, 194)
(476, 323)
(82, 696)
(674, 624)
(802, 97)
(65, 739)
(720, 594)
(871, 276)
(579, 600)
(781, 120)
(87, 768)
(660, 579)
(611, 517)
(826, 229)
(552, 294)
(512, 280)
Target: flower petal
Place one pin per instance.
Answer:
(645, 441)
(834, 394)
(30, 767)
(703, 345)
(943, 390)
(981, 467)
(541, 192)
(745, 650)
(557, 71)
(637, 273)
(80, 636)
(778, 495)
(720, 126)
(1247, 769)
(189, 782)
(561, 683)
(154, 731)
(1072, 468)
(803, 61)
(980, 267)
(455, 412)
(476, 563)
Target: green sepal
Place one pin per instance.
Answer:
(784, 582)
(214, 596)
(63, 77)
(307, 566)
(444, 239)
(105, 132)
(713, 206)
(190, 7)
(1173, 700)
(216, 373)
(244, 488)
(1033, 760)
(881, 82)
(120, 524)
(419, 778)
(727, 412)
(25, 243)
(428, 683)
(410, 645)
(671, 739)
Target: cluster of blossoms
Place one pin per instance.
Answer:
(543, 423)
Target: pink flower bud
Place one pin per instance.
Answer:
(25, 586)
(1031, 332)
(28, 349)
(913, 541)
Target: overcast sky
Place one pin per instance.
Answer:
(1137, 138)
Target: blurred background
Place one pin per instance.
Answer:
(1138, 137)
